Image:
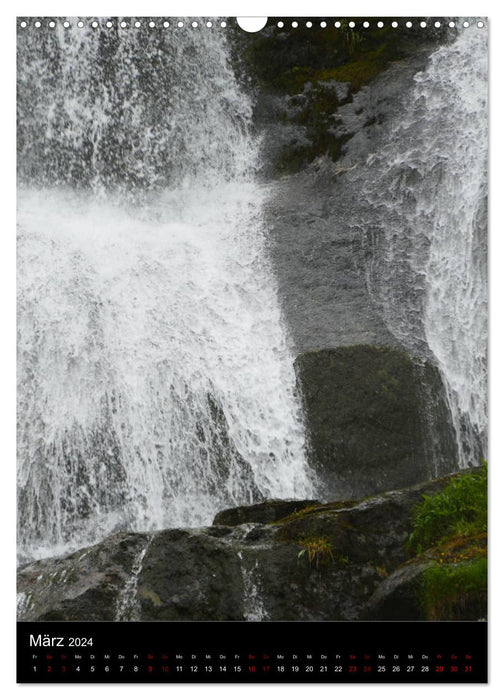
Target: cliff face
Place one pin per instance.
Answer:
(338, 561)
(376, 408)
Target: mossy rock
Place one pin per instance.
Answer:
(448, 582)
(289, 62)
(373, 530)
(265, 512)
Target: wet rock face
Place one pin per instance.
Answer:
(319, 562)
(375, 419)
(320, 264)
(85, 585)
(190, 575)
(304, 79)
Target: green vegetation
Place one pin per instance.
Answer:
(459, 510)
(359, 70)
(456, 591)
(452, 526)
(285, 59)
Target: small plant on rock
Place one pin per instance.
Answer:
(318, 551)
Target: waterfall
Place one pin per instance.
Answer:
(156, 381)
(424, 193)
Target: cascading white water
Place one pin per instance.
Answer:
(456, 307)
(156, 384)
(425, 188)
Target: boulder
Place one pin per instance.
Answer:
(446, 582)
(376, 419)
(397, 598)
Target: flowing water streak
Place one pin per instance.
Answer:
(156, 384)
(254, 609)
(128, 607)
(425, 191)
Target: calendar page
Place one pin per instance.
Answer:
(252, 350)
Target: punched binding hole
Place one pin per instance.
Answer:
(251, 24)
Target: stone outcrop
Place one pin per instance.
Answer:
(334, 561)
(265, 512)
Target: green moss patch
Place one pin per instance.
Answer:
(455, 591)
(453, 524)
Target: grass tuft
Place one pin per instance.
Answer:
(460, 509)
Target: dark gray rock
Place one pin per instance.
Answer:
(190, 575)
(265, 512)
(376, 419)
(398, 597)
(320, 265)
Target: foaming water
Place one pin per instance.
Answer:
(156, 383)
(425, 189)
(130, 110)
(456, 309)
